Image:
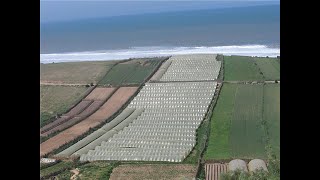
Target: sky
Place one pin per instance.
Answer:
(69, 10)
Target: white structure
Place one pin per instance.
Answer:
(166, 129)
(238, 164)
(257, 164)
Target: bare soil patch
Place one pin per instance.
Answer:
(154, 172)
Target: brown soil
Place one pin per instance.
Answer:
(100, 94)
(154, 171)
(116, 101)
(79, 108)
(214, 171)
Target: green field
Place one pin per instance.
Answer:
(241, 68)
(74, 72)
(92, 170)
(237, 129)
(132, 72)
(95, 170)
(57, 168)
(269, 67)
(246, 132)
(58, 99)
(218, 145)
(271, 115)
(245, 68)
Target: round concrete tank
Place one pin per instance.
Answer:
(238, 164)
(257, 164)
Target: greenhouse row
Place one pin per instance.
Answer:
(192, 68)
(166, 125)
(160, 123)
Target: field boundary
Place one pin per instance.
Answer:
(208, 129)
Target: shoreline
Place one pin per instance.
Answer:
(154, 51)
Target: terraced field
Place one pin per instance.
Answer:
(169, 115)
(114, 103)
(131, 72)
(58, 99)
(82, 110)
(74, 72)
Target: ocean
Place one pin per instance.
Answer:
(253, 31)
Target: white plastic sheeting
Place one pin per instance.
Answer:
(192, 68)
(166, 129)
(96, 134)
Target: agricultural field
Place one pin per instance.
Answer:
(153, 171)
(245, 68)
(269, 67)
(237, 128)
(55, 169)
(58, 99)
(218, 146)
(131, 72)
(67, 169)
(82, 110)
(241, 68)
(271, 114)
(246, 132)
(114, 103)
(74, 72)
(95, 170)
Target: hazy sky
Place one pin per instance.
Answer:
(66, 10)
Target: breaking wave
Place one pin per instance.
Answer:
(152, 51)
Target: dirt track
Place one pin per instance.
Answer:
(116, 101)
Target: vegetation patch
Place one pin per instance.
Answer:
(269, 67)
(74, 72)
(56, 100)
(132, 72)
(241, 68)
(245, 122)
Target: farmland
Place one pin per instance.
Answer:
(241, 68)
(131, 72)
(74, 72)
(153, 171)
(271, 115)
(244, 68)
(237, 129)
(246, 132)
(55, 169)
(114, 103)
(168, 120)
(57, 99)
(269, 67)
(82, 110)
(95, 170)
